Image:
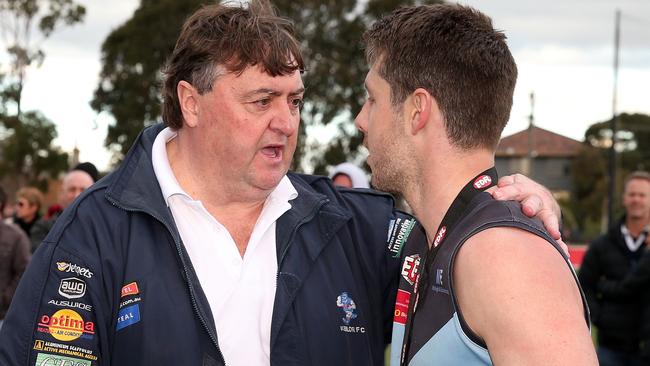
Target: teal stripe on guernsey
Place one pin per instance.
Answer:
(450, 347)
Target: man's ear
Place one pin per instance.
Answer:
(423, 105)
(188, 100)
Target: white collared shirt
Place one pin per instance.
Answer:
(241, 291)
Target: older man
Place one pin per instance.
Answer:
(201, 249)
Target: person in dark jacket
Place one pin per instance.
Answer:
(28, 205)
(14, 256)
(612, 257)
(202, 249)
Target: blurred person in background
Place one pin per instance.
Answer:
(612, 257)
(350, 176)
(14, 256)
(27, 211)
(77, 180)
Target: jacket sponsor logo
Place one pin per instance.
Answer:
(130, 289)
(128, 316)
(70, 304)
(398, 232)
(45, 359)
(410, 268)
(72, 288)
(130, 301)
(482, 182)
(73, 268)
(440, 236)
(401, 307)
(66, 325)
(64, 349)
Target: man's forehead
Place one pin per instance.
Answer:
(256, 78)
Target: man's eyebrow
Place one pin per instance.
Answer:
(260, 91)
(271, 92)
(298, 91)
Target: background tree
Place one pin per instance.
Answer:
(591, 167)
(330, 33)
(130, 79)
(26, 137)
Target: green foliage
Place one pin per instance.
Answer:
(27, 151)
(17, 20)
(130, 79)
(26, 137)
(633, 139)
(330, 33)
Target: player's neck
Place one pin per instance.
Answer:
(442, 180)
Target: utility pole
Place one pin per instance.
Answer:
(612, 151)
(531, 135)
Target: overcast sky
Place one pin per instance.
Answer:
(563, 48)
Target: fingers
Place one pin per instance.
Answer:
(564, 247)
(509, 192)
(532, 205)
(551, 223)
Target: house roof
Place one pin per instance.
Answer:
(545, 144)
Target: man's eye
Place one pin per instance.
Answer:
(263, 102)
(297, 103)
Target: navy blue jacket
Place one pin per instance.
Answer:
(112, 284)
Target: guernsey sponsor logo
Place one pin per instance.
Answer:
(482, 182)
(73, 268)
(66, 325)
(401, 307)
(130, 289)
(410, 268)
(441, 235)
(46, 359)
(64, 349)
(72, 288)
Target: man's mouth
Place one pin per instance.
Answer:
(272, 151)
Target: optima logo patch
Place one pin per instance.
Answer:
(66, 325)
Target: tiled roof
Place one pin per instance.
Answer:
(545, 144)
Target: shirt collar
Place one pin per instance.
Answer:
(285, 191)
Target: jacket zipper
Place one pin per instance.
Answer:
(187, 274)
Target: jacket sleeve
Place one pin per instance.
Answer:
(635, 282)
(62, 312)
(589, 275)
(21, 257)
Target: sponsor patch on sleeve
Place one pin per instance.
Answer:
(56, 360)
(130, 289)
(398, 231)
(128, 316)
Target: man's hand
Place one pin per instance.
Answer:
(535, 200)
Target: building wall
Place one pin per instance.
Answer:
(554, 173)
